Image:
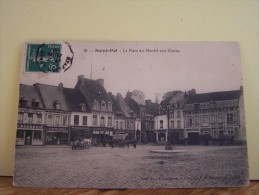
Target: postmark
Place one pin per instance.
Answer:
(48, 57)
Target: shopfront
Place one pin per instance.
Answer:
(102, 134)
(57, 135)
(77, 132)
(29, 134)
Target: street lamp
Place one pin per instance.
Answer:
(168, 144)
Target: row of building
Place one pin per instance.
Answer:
(57, 115)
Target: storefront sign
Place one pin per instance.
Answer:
(29, 126)
(57, 129)
(80, 128)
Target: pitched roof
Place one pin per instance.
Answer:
(214, 96)
(92, 90)
(152, 108)
(134, 106)
(75, 99)
(96, 90)
(222, 99)
(30, 93)
(168, 99)
(49, 94)
(124, 107)
(115, 105)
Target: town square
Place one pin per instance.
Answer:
(100, 167)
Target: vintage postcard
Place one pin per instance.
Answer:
(119, 115)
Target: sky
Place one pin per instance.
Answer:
(153, 67)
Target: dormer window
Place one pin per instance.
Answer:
(131, 114)
(57, 105)
(35, 103)
(83, 107)
(99, 94)
(95, 105)
(103, 106)
(212, 104)
(196, 106)
(23, 102)
(109, 106)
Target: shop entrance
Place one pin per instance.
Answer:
(56, 138)
(193, 138)
(28, 137)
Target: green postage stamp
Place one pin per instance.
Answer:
(47, 57)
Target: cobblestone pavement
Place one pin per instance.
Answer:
(105, 167)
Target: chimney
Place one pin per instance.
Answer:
(148, 102)
(119, 95)
(80, 78)
(60, 86)
(192, 92)
(101, 82)
(36, 86)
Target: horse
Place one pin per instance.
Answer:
(87, 142)
(78, 144)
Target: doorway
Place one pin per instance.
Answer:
(193, 138)
(28, 137)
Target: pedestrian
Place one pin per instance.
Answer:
(135, 144)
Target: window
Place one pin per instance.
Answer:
(117, 125)
(49, 122)
(94, 119)
(121, 126)
(84, 120)
(230, 130)
(212, 118)
(109, 107)
(172, 114)
(20, 135)
(212, 104)
(214, 132)
(109, 121)
(178, 114)
(230, 117)
(23, 102)
(103, 107)
(172, 124)
(57, 120)
(102, 123)
(205, 119)
(190, 121)
(65, 120)
(76, 119)
(39, 118)
(196, 106)
(178, 124)
(95, 105)
(161, 124)
(220, 118)
(57, 105)
(137, 126)
(37, 135)
(35, 103)
(20, 117)
(83, 107)
(30, 117)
